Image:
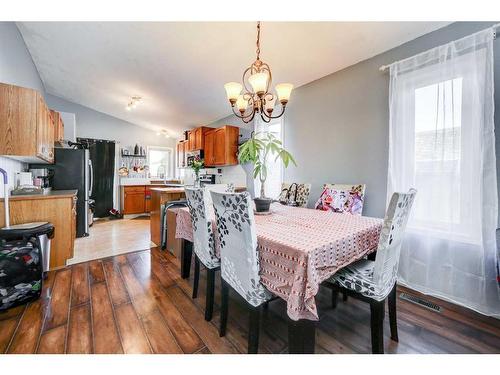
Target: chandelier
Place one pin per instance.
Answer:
(258, 100)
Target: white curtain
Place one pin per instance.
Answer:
(442, 142)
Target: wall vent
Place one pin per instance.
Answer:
(420, 301)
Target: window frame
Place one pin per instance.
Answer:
(170, 169)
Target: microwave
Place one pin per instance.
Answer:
(191, 155)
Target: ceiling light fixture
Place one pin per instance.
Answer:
(134, 101)
(163, 132)
(259, 99)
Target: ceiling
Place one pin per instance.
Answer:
(179, 68)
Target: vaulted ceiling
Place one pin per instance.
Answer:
(179, 68)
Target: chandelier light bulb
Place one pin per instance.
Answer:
(233, 90)
(128, 108)
(259, 82)
(284, 91)
(241, 103)
(269, 106)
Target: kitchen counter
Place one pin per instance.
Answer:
(57, 207)
(168, 190)
(49, 195)
(161, 195)
(173, 190)
(144, 181)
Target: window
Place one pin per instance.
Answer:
(274, 168)
(438, 150)
(160, 161)
(436, 143)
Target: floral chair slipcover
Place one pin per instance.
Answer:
(203, 234)
(342, 198)
(375, 279)
(238, 246)
(221, 188)
(302, 196)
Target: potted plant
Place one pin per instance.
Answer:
(256, 150)
(196, 166)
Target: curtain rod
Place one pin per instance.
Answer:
(383, 68)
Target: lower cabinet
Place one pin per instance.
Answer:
(133, 200)
(137, 199)
(59, 210)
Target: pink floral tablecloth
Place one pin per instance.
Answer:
(299, 248)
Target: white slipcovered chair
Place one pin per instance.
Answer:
(199, 203)
(239, 259)
(375, 281)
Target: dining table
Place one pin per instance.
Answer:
(299, 248)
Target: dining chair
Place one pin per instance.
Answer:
(221, 188)
(203, 244)
(375, 281)
(239, 260)
(295, 193)
(342, 198)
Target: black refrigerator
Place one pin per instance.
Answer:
(72, 169)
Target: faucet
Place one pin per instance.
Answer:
(164, 172)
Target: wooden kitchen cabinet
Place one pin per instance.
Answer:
(26, 126)
(134, 200)
(191, 141)
(58, 126)
(221, 146)
(57, 208)
(181, 153)
(209, 148)
(199, 137)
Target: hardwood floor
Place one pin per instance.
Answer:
(137, 303)
(112, 237)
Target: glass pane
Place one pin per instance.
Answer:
(159, 162)
(438, 123)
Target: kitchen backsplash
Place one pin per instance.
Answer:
(11, 166)
(234, 174)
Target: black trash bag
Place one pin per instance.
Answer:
(21, 271)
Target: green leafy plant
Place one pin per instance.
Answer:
(257, 149)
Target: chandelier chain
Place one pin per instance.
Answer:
(258, 40)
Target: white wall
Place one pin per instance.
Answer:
(94, 124)
(16, 68)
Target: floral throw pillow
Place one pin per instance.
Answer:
(342, 198)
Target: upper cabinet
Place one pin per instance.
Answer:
(221, 146)
(181, 154)
(58, 126)
(196, 138)
(26, 126)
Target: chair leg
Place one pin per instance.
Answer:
(196, 276)
(224, 307)
(392, 314)
(335, 295)
(209, 302)
(377, 326)
(344, 296)
(254, 330)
